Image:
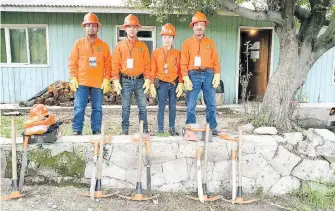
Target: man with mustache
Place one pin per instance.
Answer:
(90, 72)
(200, 67)
(131, 72)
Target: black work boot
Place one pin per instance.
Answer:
(215, 132)
(124, 132)
(173, 132)
(76, 133)
(97, 132)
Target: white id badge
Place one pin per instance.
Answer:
(130, 63)
(197, 61)
(165, 68)
(93, 61)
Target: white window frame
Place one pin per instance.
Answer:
(143, 28)
(334, 69)
(8, 50)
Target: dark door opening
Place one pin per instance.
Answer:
(257, 42)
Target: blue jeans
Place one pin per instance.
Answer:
(201, 80)
(166, 91)
(128, 87)
(80, 103)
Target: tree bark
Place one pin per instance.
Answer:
(291, 74)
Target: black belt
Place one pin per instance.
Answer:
(131, 77)
(203, 69)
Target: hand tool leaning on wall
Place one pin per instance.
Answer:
(202, 188)
(16, 193)
(139, 191)
(239, 197)
(96, 187)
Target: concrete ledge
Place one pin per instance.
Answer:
(269, 162)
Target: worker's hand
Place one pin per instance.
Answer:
(73, 84)
(216, 80)
(146, 86)
(180, 89)
(117, 86)
(106, 85)
(153, 90)
(187, 83)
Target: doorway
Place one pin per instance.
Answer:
(255, 55)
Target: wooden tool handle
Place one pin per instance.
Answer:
(233, 154)
(198, 153)
(14, 161)
(148, 147)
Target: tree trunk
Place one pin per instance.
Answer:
(291, 74)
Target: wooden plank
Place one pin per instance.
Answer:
(5, 84)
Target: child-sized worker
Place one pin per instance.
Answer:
(165, 65)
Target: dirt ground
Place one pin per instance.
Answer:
(227, 120)
(47, 198)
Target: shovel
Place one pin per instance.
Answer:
(15, 190)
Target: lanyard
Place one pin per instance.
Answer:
(166, 55)
(131, 50)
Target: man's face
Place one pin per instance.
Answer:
(91, 29)
(167, 40)
(131, 31)
(199, 28)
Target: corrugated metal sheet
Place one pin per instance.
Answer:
(65, 3)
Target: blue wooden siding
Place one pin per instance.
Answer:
(64, 28)
(319, 86)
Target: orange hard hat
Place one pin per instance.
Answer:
(198, 17)
(38, 111)
(90, 18)
(131, 20)
(168, 29)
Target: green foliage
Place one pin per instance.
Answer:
(323, 199)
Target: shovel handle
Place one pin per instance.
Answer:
(14, 161)
(148, 147)
(198, 153)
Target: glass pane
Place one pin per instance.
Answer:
(3, 47)
(38, 46)
(122, 33)
(150, 45)
(146, 34)
(18, 45)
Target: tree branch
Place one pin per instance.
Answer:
(327, 40)
(301, 13)
(258, 16)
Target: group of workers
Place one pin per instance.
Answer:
(168, 72)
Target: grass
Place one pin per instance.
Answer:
(165, 134)
(313, 200)
(6, 126)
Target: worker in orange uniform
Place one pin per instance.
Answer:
(90, 72)
(165, 65)
(200, 67)
(131, 72)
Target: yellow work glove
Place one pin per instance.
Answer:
(216, 80)
(117, 86)
(153, 90)
(73, 84)
(106, 85)
(179, 89)
(187, 83)
(146, 86)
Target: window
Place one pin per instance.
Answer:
(24, 44)
(334, 69)
(146, 34)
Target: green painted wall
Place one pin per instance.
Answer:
(64, 28)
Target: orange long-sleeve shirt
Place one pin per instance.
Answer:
(127, 49)
(79, 62)
(205, 48)
(159, 58)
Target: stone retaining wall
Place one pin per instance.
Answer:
(276, 164)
